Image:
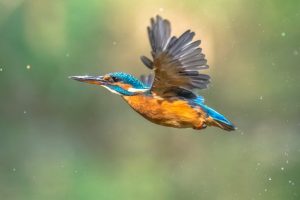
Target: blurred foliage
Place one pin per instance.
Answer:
(60, 139)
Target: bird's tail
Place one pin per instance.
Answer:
(218, 120)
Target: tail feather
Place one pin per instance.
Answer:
(223, 125)
(219, 120)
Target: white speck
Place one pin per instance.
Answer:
(296, 52)
(67, 55)
(283, 34)
(161, 10)
(1, 69)
(287, 161)
(14, 169)
(24, 111)
(28, 67)
(261, 98)
(270, 179)
(258, 164)
(291, 182)
(266, 190)
(75, 171)
(114, 43)
(282, 168)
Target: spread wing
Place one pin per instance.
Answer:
(176, 61)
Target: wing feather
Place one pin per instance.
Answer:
(176, 61)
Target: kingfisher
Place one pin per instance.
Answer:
(167, 95)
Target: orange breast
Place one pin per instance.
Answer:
(174, 113)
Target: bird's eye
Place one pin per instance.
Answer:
(115, 79)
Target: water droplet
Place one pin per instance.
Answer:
(28, 67)
(296, 52)
(266, 189)
(24, 111)
(14, 169)
(270, 179)
(258, 164)
(287, 161)
(283, 34)
(161, 10)
(261, 98)
(282, 168)
(1, 69)
(259, 194)
(291, 182)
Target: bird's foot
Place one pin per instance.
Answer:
(202, 126)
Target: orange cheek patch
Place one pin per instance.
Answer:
(123, 85)
(107, 78)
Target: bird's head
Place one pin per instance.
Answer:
(117, 82)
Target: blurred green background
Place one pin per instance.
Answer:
(61, 139)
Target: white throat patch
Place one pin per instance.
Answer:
(113, 91)
(137, 90)
(133, 90)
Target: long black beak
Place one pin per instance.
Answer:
(97, 80)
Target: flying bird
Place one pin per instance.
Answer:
(167, 96)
